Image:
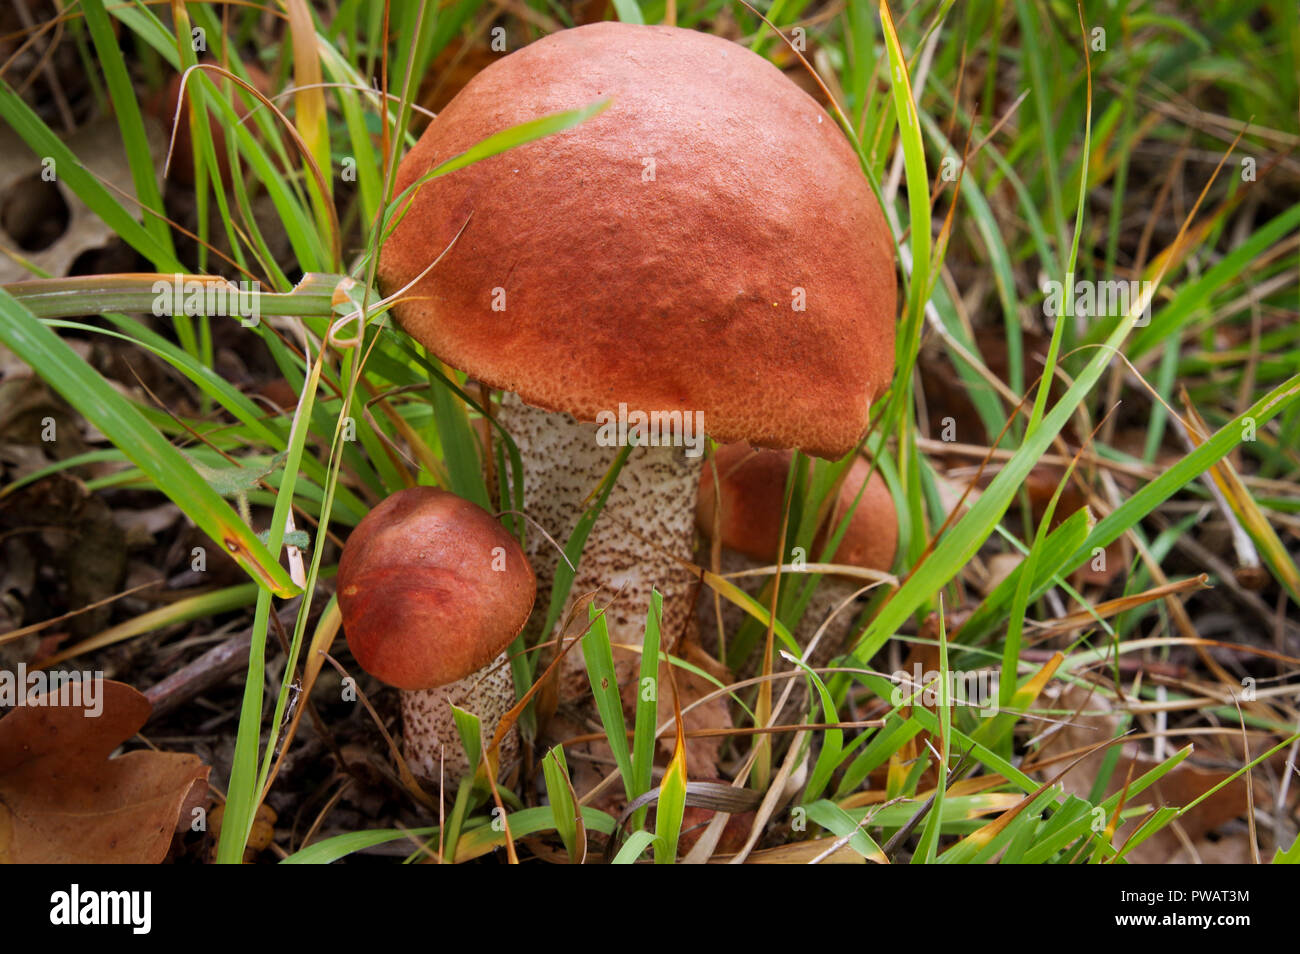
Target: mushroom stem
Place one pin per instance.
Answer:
(645, 529)
(433, 745)
(830, 592)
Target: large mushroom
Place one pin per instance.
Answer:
(748, 513)
(432, 590)
(705, 252)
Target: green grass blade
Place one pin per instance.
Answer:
(927, 848)
(126, 110)
(599, 657)
(670, 809)
(559, 792)
(632, 849)
(841, 824)
(470, 729)
(331, 850)
(647, 707)
(629, 11)
(126, 427)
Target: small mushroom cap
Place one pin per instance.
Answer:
(753, 497)
(431, 588)
(707, 243)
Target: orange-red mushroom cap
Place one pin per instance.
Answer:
(707, 243)
(431, 589)
(753, 497)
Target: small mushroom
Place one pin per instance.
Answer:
(749, 525)
(432, 590)
(705, 252)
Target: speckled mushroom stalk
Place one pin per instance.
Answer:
(433, 747)
(432, 589)
(643, 539)
(869, 542)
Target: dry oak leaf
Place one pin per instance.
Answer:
(63, 800)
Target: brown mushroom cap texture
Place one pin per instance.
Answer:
(655, 253)
(753, 496)
(426, 596)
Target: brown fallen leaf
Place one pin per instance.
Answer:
(63, 800)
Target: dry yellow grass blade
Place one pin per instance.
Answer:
(428, 460)
(965, 786)
(1109, 608)
(1245, 509)
(802, 852)
(1030, 691)
(309, 98)
(734, 594)
(839, 569)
